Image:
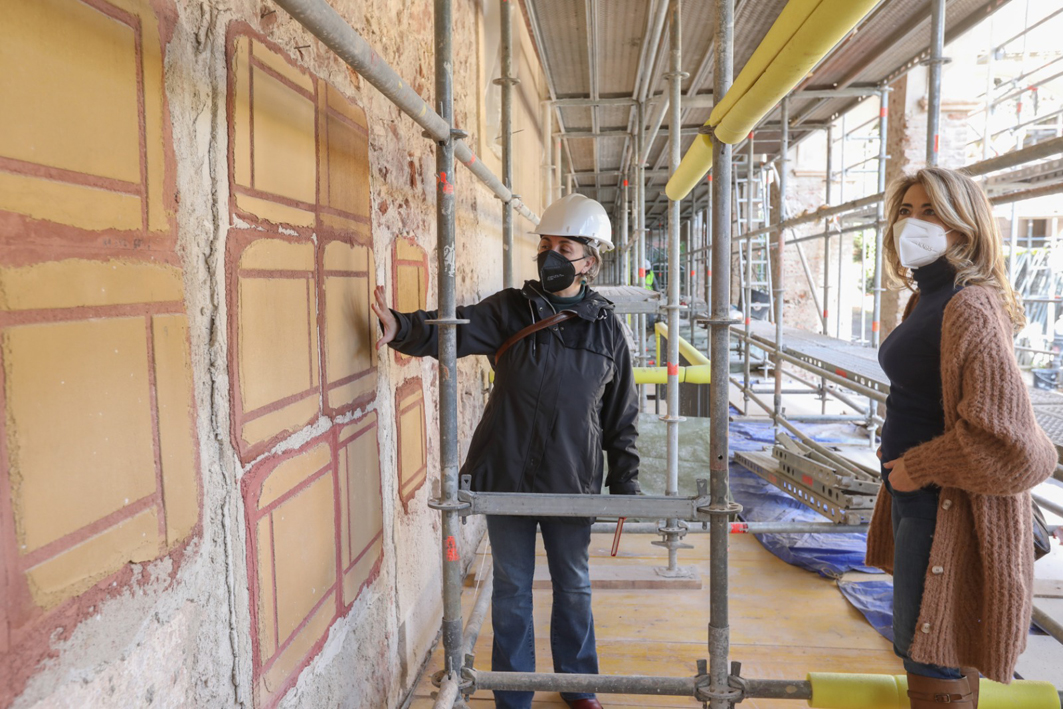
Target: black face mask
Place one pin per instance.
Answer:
(556, 272)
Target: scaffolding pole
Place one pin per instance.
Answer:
(720, 694)
(507, 82)
(672, 533)
(447, 323)
(880, 215)
(933, 110)
(780, 244)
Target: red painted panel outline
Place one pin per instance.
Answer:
(321, 109)
(328, 385)
(251, 488)
(395, 263)
(403, 391)
(16, 228)
(27, 632)
(239, 240)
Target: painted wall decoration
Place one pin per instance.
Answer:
(314, 528)
(301, 330)
(99, 465)
(413, 444)
(409, 278)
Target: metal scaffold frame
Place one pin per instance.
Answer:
(717, 682)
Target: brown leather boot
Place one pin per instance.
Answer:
(930, 693)
(973, 675)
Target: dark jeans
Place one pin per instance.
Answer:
(571, 623)
(914, 519)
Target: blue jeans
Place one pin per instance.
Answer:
(571, 623)
(914, 520)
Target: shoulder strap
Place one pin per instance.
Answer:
(533, 328)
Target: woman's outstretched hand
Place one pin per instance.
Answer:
(899, 479)
(387, 320)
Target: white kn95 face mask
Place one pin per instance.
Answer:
(918, 242)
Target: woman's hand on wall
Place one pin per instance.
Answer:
(388, 323)
(899, 479)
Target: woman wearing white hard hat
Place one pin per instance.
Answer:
(564, 393)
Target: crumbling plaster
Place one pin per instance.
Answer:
(185, 639)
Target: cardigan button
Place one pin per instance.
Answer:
(938, 570)
(945, 504)
(926, 627)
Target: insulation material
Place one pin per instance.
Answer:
(856, 691)
(804, 32)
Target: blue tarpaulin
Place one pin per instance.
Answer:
(874, 600)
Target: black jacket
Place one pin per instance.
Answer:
(561, 395)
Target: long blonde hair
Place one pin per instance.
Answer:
(963, 207)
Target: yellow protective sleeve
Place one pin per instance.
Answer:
(854, 691)
(659, 375)
(822, 30)
(786, 24)
(689, 352)
(798, 39)
(694, 166)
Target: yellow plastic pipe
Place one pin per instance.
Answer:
(832, 690)
(659, 375)
(782, 30)
(800, 37)
(689, 352)
(822, 30)
(694, 166)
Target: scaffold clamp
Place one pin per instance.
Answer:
(453, 506)
(466, 684)
(703, 692)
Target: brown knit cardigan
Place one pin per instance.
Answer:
(979, 584)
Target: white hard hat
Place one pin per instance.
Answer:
(579, 216)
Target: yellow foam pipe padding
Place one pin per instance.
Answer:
(822, 30)
(791, 18)
(694, 166)
(659, 375)
(831, 690)
(686, 349)
(800, 37)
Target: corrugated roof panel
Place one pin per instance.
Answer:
(893, 35)
(576, 118)
(563, 28)
(621, 25)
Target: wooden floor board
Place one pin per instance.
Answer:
(785, 622)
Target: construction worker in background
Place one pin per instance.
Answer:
(649, 274)
(564, 392)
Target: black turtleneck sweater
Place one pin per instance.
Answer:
(911, 358)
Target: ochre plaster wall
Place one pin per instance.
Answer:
(213, 488)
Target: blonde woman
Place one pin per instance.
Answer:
(960, 447)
